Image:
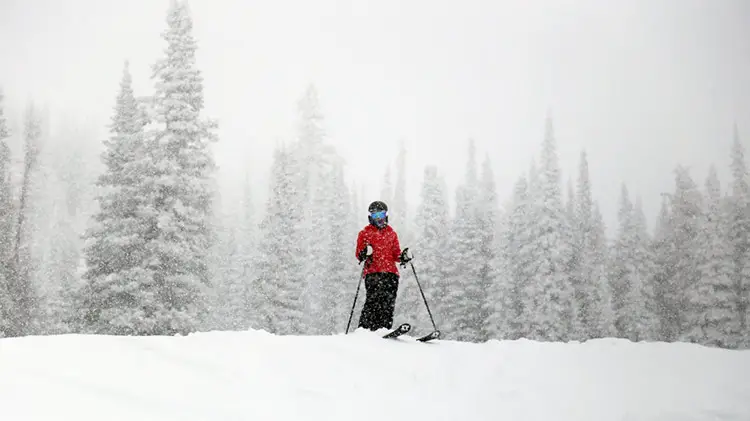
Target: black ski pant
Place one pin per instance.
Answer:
(380, 289)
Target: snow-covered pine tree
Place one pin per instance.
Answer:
(232, 264)
(466, 300)
(622, 269)
(500, 295)
(178, 186)
(739, 237)
(603, 314)
(399, 213)
(7, 212)
(4, 130)
(643, 262)
(570, 205)
(6, 195)
(355, 221)
(23, 316)
(578, 213)
(517, 254)
(553, 295)
(631, 269)
(493, 277)
(521, 251)
(686, 205)
(430, 254)
(662, 249)
(534, 181)
(573, 239)
(386, 189)
(317, 160)
(119, 296)
(360, 200)
(710, 314)
(310, 141)
(338, 273)
(279, 283)
(586, 263)
(489, 272)
(356, 217)
(247, 248)
(229, 285)
(60, 269)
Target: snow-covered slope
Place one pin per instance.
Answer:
(257, 376)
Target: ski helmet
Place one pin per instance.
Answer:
(377, 206)
(378, 214)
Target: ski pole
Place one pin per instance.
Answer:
(416, 278)
(355, 299)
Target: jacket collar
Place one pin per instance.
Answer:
(372, 227)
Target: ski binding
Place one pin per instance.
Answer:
(395, 333)
(430, 336)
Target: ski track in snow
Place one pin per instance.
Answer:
(258, 376)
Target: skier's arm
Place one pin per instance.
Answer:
(361, 246)
(400, 255)
(396, 251)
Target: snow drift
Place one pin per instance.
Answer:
(258, 376)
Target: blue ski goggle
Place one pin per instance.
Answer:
(380, 215)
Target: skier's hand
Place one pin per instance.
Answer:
(365, 253)
(404, 258)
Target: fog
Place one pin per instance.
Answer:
(641, 86)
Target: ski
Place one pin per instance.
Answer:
(404, 328)
(395, 333)
(430, 336)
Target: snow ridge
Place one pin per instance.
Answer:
(254, 375)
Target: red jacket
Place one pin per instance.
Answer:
(385, 249)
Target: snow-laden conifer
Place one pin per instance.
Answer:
(711, 317)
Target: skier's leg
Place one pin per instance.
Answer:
(366, 318)
(381, 303)
(384, 295)
(372, 312)
(389, 290)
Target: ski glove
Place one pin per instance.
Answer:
(404, 257)
(365, 253)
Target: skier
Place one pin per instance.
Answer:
(378, 247)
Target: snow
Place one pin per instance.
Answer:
(254, 375)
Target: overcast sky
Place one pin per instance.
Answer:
(641, 85)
